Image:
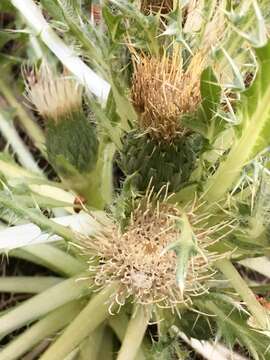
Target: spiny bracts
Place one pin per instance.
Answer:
(161, 163)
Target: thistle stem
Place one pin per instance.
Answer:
(39, 219)
(25, 157)
(87, 321)
(41, 304)
(107, 173)
(134, 334)
(119, 325)
(33, 15)
(260, 314)
(27, 284)
(55, 259)
(91, 346)
(33, 130)
(106, 349)
(44, 328)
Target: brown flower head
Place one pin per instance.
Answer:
(162, 91)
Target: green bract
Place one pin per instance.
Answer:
(72, 144)
(156, 163)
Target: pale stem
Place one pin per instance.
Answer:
(27, 284)
(90, 348)
(259, 313)
(107, 173)
(119, 325)
(13, 171)
(93, 82)
(25, 157)
(44, 328)
(135, 333)
(61, 261)
(87, 321)
(106, 349)
(41, 304)
(33, 130)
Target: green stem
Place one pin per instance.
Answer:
(57, 259)
(134, 334)
(91, 346)
(25, 157)
(33, 130)
(260, 314)
(27, 284)
(41, 304)
(73, 355)
(39, 219)
(107, 173)
(44, 328)
(119, 325)
(106, 349)
(87, 321)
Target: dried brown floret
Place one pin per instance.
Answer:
(162, 91)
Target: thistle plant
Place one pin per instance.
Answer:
(147, 261)
(71, 140)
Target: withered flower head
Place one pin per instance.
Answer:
(138, 258)
(54, 96)
(162, 91)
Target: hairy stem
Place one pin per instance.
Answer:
(260, 314)
(39, 219)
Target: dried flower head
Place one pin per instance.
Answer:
(53, 96)
(162, 91)
(138, 258)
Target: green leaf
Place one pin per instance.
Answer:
(207, 122)
(233, 325)
(210, 92)
(113, 23)
(254, 114)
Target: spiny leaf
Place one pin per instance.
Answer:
(254, 115)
